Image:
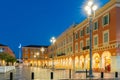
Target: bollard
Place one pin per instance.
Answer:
(11, 76)
(32, 75)
(51, 74)
(102, 75)
(116, 74)
(86, 73)
(69, 73)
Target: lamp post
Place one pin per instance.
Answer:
(53, 40)
(34, 60)
(42, 50)
(90, 10)
(37, 56)
(19, 53)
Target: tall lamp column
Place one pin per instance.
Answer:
(90, 10)
(53, 40)
(42, 50)
(37, 56)
(19, 52)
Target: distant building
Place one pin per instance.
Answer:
(6, 49)
(35, 55)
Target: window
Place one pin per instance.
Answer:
(81, 45)
(76, 47)
(26, 56)
(81, 33)
(106, 36)
(68, 49)
(64, 41)
(26, 49)
(26, 52)
(87, 30)
(95, 40)
(71, 49)
(1, 49)
(31, 56)
(105, 20)
(87, 42)
(95, 25)
(71, 39)
(76, 36)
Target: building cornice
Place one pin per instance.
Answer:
(111, 4)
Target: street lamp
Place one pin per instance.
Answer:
(19, 53)
(37, 57)
(90, 10)
(34, 60)
(53, 40)
(42, 50)
(34, 56)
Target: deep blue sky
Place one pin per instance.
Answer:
(36, 21)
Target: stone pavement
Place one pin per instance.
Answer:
(24, 73)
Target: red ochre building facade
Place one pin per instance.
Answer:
(71, 49)
(33, 56)
(5, 49)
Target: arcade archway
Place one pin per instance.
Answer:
(76, 62)
(106, 60)
(70, 63)
(87, 61)
(96, 61)
(82, 62)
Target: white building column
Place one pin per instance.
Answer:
(115, 63)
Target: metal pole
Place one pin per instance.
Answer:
(53, 61)
(19, 52)
(53, 40)
(69, 73)
(90, 71)
(32, 75)
(86, 73)
(116, 74)
(11, 76)
(51, 75)
(74, 63)
(102, 75)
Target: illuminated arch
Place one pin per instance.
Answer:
(63, 62)
(106, 60)
(70, 62)
(82, 60)
(76, 61)
(96, 61)
(66, 62)
(87, 61)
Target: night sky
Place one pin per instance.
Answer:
(36, 21)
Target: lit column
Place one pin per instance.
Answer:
(19, 52)
(42, 50)
(90, 10)
(37, 56)
(34, 60)
(53, 40)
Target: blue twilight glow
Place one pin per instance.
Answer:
(36, 21)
